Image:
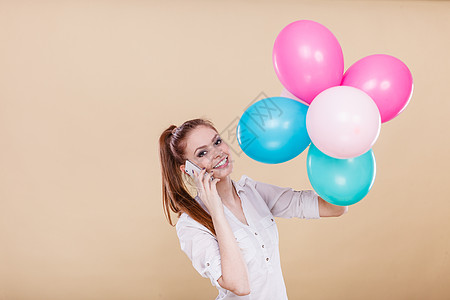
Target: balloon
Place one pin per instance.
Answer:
(287, 94)
(307, 59)
(340, 181)
(343, 122)
(273, 130)
(386, 79)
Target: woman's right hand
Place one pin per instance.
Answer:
(207, 191)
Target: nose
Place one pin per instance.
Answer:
(218, 154)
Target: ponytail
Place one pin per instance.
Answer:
(172, 143)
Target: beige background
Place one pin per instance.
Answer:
(86, 88)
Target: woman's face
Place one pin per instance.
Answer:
(206, 149)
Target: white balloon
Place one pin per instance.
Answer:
(343, 122)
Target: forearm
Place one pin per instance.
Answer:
(234, 268)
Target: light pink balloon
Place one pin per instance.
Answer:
(287, 94)
(343, 122)
(386, 79)
(307, 59)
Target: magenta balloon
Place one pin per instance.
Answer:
(307, 59)
(386, 79)
(285, 93)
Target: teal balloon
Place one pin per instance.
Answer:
(340, 181)
(273, 130)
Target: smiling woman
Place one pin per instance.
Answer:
(228, 229)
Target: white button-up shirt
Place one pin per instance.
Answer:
(258, 240)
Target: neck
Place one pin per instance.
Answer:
(226, 191)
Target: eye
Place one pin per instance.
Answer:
(218, 141)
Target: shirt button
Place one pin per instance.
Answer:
(256, 233)
(262, 246)
(267, 258)
(272, 220)
(207, 264)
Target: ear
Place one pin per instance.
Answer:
(182, 168)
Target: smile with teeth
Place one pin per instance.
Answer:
(221, 163)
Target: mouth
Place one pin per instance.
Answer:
(222, 164)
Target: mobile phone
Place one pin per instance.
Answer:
(190, 167)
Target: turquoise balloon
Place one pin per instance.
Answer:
(340, 181)
(273, 130)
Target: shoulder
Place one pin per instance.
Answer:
(246, 181)
(187, 225)
(185, 220)
(255, 185)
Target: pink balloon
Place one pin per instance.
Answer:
(386, 79)
(343, 122)
(285, 93)
(307, 59)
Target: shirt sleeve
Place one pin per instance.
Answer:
(202, 248)
(285, 202)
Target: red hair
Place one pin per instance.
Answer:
(176, 197)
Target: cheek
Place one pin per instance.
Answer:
(224, 147)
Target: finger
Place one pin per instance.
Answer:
(198, 174)
(202, 174)
(198, 180)
(213, 190)
(206, 177)
(208, 180)
(213, 184)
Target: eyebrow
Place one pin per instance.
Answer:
(205, 145)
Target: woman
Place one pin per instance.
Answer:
(228, 230)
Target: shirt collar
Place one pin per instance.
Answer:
(239, 185)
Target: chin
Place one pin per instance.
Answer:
(226, 172)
